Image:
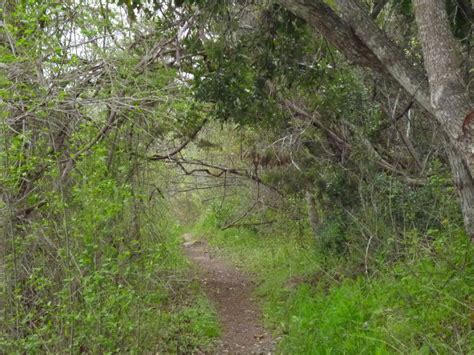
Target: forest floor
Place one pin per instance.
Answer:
(231, 291)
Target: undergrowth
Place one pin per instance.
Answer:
(151, 306)
(420, 304)
(110, 278)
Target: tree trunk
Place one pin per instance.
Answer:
(465, 187)
(449, 96)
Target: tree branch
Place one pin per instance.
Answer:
(171, 154)
(207, 169)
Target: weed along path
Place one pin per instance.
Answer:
(231, 292)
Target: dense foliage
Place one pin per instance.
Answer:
(90, 259)
(125, 123)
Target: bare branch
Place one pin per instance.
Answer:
(183, 145)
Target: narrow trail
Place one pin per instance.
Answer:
(231, 292)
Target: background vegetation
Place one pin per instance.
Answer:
(126, 123)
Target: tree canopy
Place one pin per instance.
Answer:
(345, 126)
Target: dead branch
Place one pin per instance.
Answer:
(183, 145)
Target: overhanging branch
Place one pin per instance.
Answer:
(183, 145)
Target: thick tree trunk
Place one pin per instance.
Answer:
(449, 96)
(313, 215)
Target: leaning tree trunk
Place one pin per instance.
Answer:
(449, 97)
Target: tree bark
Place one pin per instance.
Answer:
(449, 96)
(465, 187)
(324, 20)
(378, 7)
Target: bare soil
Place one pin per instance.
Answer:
(231, 291)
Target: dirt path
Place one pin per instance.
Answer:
(231, 292)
